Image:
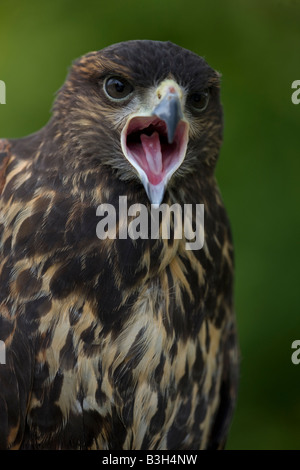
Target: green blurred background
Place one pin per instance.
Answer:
(255, 44)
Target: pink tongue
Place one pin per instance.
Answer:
(152, 149)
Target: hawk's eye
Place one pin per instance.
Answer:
(199, 101)
(117, 88)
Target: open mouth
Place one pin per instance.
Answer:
(145, 144)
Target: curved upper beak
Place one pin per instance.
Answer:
(169, 110)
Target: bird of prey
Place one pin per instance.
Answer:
(117, 342)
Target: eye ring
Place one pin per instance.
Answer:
(117, 88)
(198, 101)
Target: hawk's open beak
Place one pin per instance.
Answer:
(155, 142)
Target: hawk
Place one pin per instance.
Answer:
(117, 342)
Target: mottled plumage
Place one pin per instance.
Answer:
(115, 343)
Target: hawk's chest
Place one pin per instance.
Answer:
(137, 371)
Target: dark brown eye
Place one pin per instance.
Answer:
(117, 88)
(198, 101)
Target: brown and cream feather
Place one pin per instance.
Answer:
(113, 343)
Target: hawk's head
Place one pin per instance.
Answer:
(149, 110)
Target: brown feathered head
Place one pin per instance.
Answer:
(147, 110)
